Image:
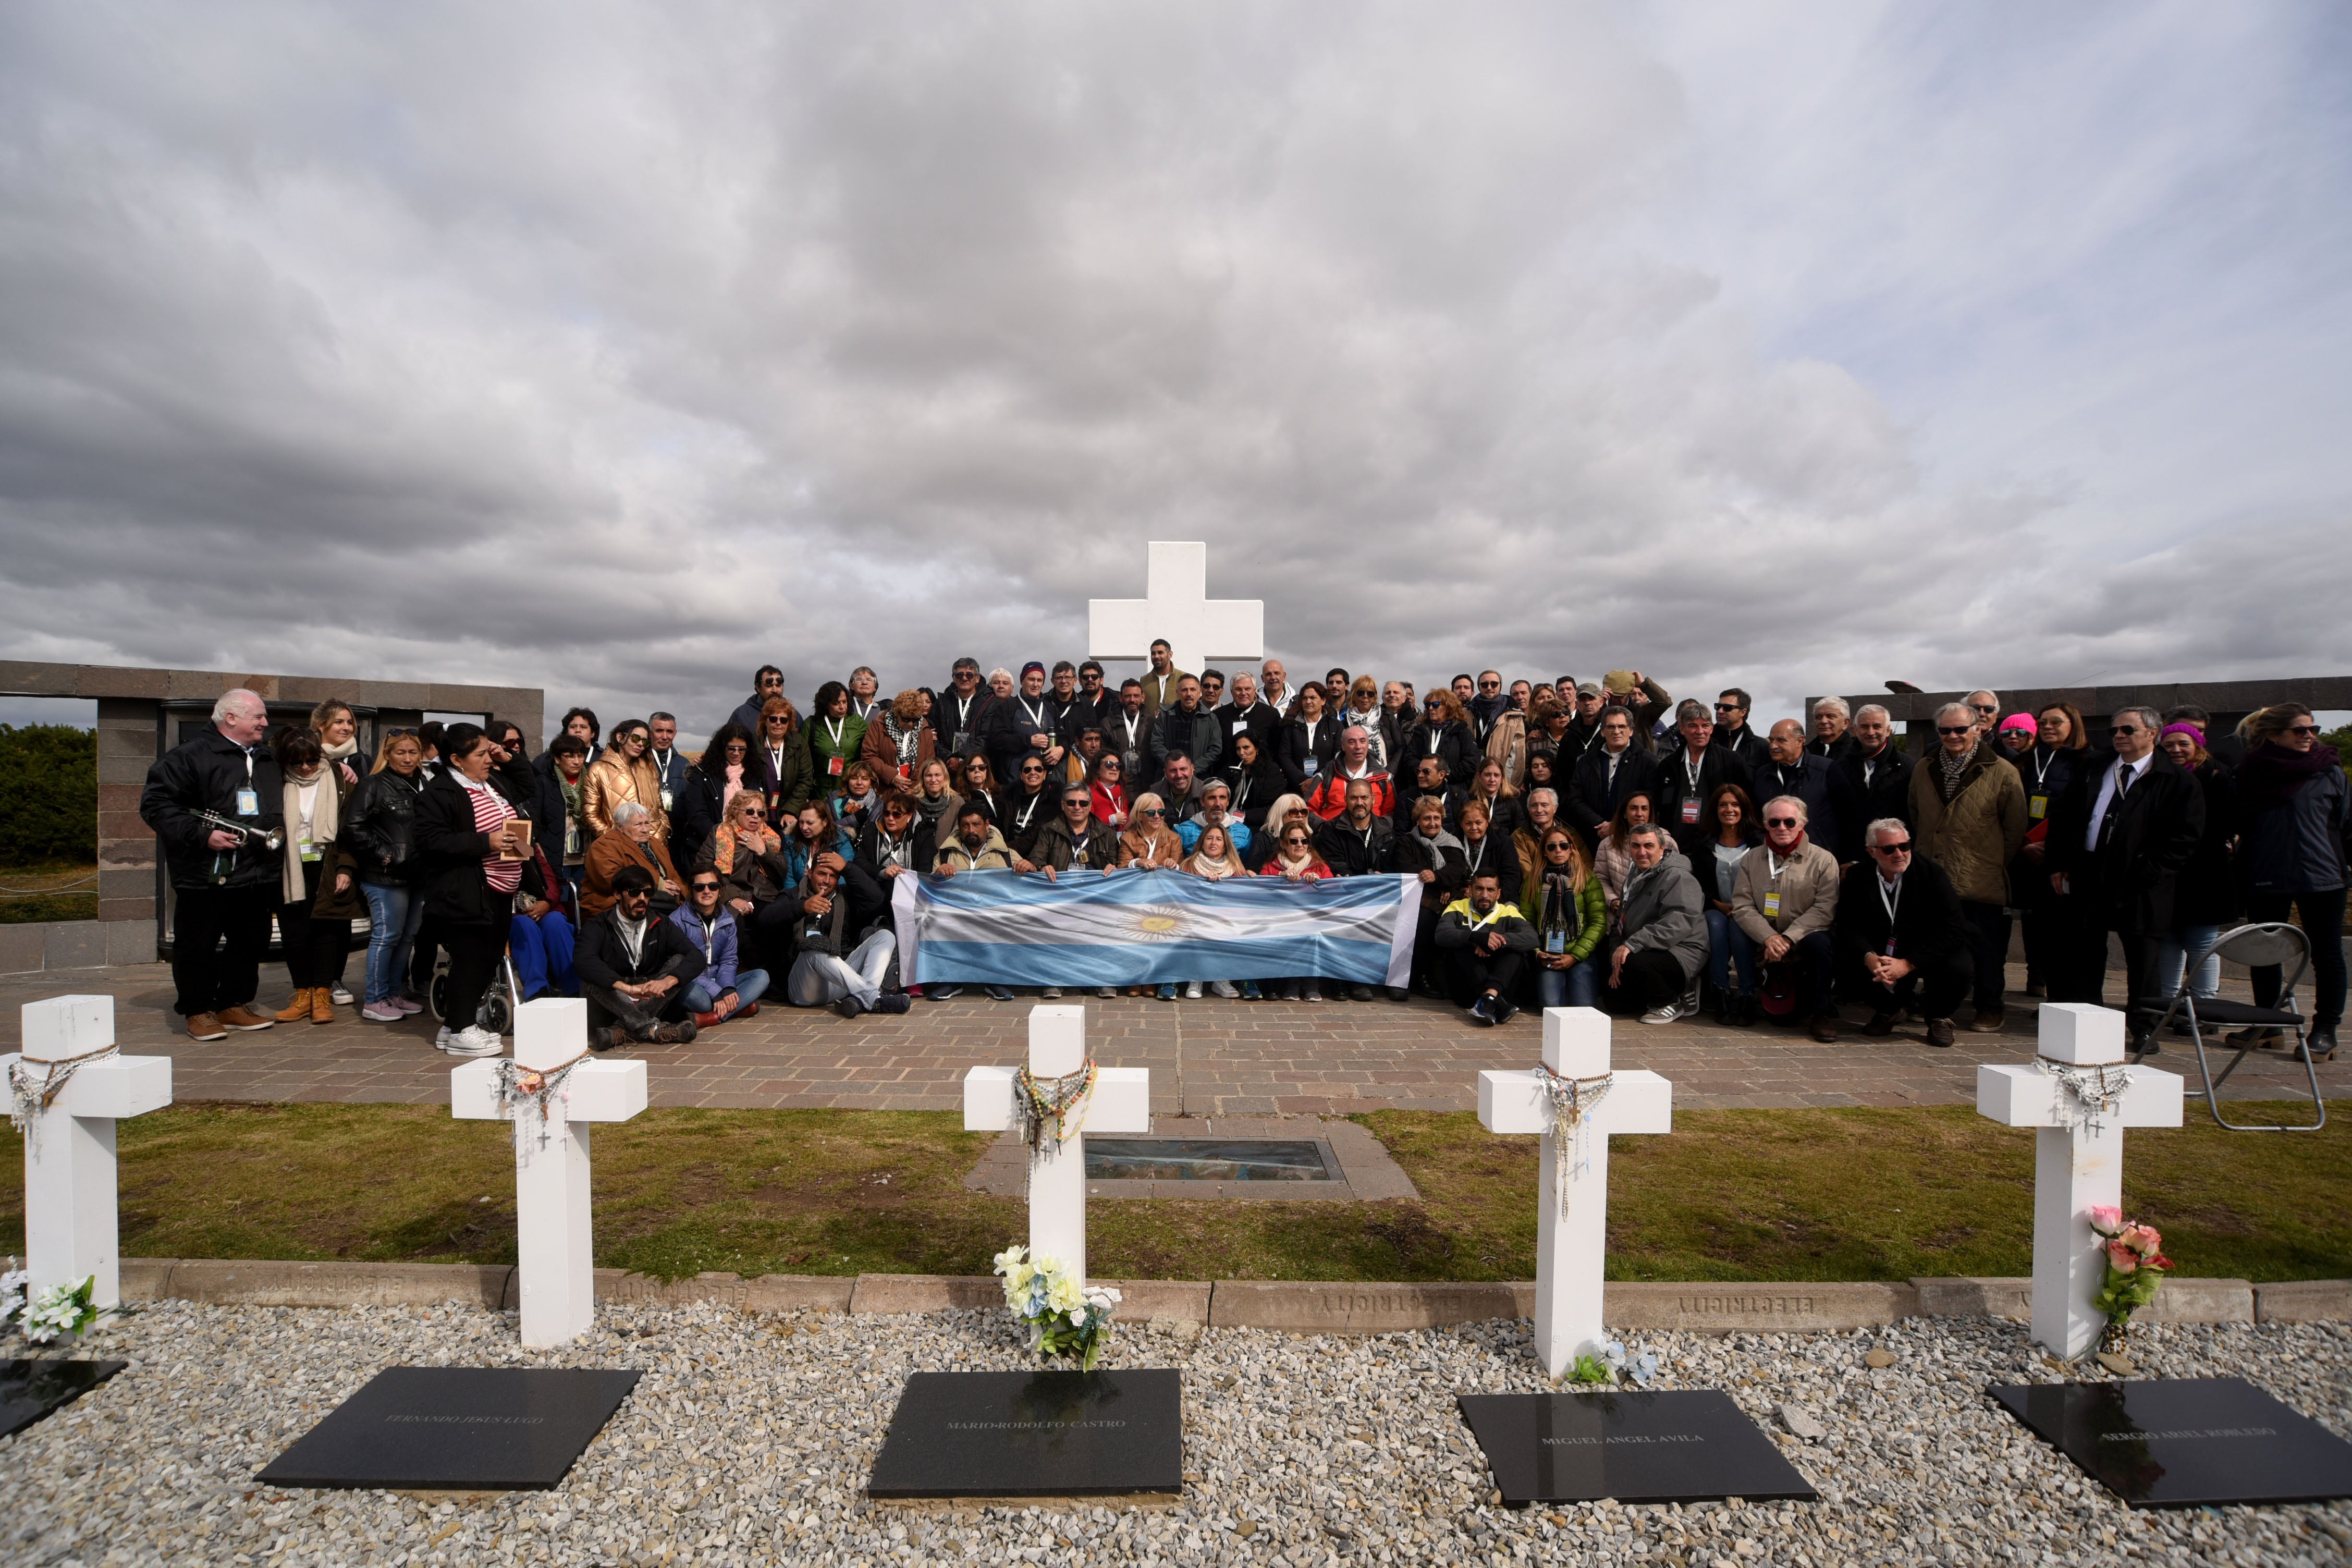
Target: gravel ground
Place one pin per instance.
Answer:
(749, 1437)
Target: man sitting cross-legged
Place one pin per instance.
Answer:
(822, 972)
(1481, 943)
(635, 970)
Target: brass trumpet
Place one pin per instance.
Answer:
(272, 839)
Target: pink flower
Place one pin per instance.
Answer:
(2142, 1239)
(2106, 1220)
(2122, 1258)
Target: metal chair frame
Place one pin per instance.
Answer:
(497, 1002)
(2255, 946)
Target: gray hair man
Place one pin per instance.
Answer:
(225, 879)
(1968, 812)
(1655, 966)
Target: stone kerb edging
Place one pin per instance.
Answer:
(1292, 1306)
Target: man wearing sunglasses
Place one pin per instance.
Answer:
(1968, 813)
(1732, 731)
(634, 969)
(1899, 930)
(2117, 841)
(766, 682)
(1783, 899)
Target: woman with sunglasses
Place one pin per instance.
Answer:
(1027, 808)
(1570, 914)
(726, 988)
(711, 788)
(625, 772)
(1445, 733)
(1108, 786)
(780, 759)
(1294, 860)
(1150, 845)
(2293, 794)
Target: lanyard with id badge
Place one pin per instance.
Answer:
(1773, 866)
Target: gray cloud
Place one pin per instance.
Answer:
(616, 350)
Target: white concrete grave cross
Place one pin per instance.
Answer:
(1176, 605)
(551, 1090)
(1576, 1102)
(2079, 1096)
(66, 1090)
(1119, 1101)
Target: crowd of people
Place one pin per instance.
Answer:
(1577, 843)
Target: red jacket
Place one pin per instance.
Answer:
(1329, 798)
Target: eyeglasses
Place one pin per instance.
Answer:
(1490, 685)
(1780, 822)
(1032, 771)
(1151, 810)
(704, 886)
(754, 812)
(2301, 730)
(2124, 729)
(2007, 734)
(1727, 706)
(1902, 848)
(1981, 708)
(1956, 729)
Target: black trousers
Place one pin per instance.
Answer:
(1937, 984)
(315, 950)
(474, 954)
(2322, 915)
(2078, 947)
(1651, 978)
(1425, 946)
(1470, 974)
(424, 952)
(219, 936)
(638, 1018)
(1987, 950)
(1814, 958)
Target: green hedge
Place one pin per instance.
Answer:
(49, 794)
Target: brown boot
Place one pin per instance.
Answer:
(297, 1010)
(1939, 1031)
(1987, 1021)
(244, 1018)
(1825, 1030)
(205, 1027)
(323, 1004)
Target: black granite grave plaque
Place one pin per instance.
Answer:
(2183, 1442)
(1034, 1434)
(31, 1389)
(1630, 1445)
(456, 1428)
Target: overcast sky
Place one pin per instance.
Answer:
(615, 350)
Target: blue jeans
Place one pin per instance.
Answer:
(393, 915)
(1578, 986)
(750, 984)
(1727, 949)
(2172, 953)
(542, 952)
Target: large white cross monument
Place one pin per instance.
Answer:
(1176, 606)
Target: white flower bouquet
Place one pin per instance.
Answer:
(59, 1310)
(1064, 1317)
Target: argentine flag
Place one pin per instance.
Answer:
(1149, 927)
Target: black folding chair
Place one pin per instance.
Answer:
(2256, 946)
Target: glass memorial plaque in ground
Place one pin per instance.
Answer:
(1211, 1160)
(456, 1428)
(1632, 1445)
(2186, 1442)
(31, 1389)
(1034, 1434)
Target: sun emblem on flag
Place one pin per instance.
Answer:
(1158, 922)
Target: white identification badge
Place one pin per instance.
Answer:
(310, 851)
(1771, 905)
(1239, 726)
(1310, 765)
(665, 800)
(248, 803)
(1556, 941)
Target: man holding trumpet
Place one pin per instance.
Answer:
(218, 806)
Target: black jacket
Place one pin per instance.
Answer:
(1500, 855)
(1010, 723)
(1251, 794)
(1833, 817)
(1079, 715)
(2131, 877)
(1296, 750)
(206, 774)
(1694, 831)
(1446, 739)
(547, 812)
(701, 805)
(1056, 848)
(1350, 853)
(1888, 790)
(1408, 852)
(381, 827)
(1407, 798)
(1836, 751)
(1261, 723)
(922, 850)
(1021, 817)
(1134, 751)
(973, 724)
(2209, 890)
(1396, 723)
(1928, 926)
(1195, 734)
(1590, 802)
(602, 958)
(450, 851)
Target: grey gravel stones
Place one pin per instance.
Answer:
(749, 1440)
(1800, 1422)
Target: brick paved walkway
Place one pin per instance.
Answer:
(1207, 1059)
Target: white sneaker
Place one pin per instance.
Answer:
(476, 1041)
(1049, 991)
(1192, 992)
(446, 1038)
(1225, 989)
(1665, 1015)
(342, 997)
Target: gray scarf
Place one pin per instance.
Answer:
(1955, 771)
